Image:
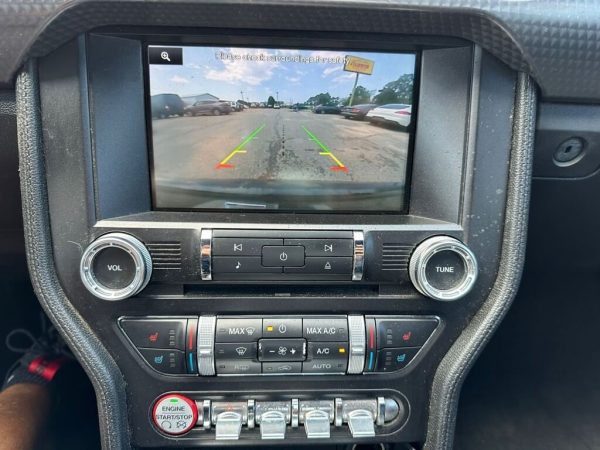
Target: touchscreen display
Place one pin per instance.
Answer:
(280, 129)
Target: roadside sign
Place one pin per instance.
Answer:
(358, 65)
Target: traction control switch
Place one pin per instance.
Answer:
(317, 415)
(228, 418)
(273, 417)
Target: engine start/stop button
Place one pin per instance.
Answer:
(175, 414)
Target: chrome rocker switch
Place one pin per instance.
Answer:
(229, 426)
(361, 423)
(316, 424)
(272, 425)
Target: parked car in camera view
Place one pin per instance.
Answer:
(166, 105)
(397, 114)
(209, 108)
(357, 111)
(327, 109)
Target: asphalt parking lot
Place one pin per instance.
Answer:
(278, 144)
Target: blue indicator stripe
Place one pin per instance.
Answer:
(191, 360)
(371, 360)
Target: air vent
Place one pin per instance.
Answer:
(395, 256)
(165, 255)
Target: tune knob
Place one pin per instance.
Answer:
(115, 266)
(443, 268)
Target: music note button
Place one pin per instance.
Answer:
(241, 264)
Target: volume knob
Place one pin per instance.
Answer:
(443, 268)
(115, 266)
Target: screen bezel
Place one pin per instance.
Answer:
(287, 43)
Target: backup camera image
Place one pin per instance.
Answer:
(280, 129)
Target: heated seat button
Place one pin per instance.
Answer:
(283, 256)
(114, 268)
(324, 247)
(281, 349)
(165, 361)
(156, 333)
(241, 246)
(327, 350)
(404, 332)
(232, 351)
(325, 329)
(238, 330)
(392, 359)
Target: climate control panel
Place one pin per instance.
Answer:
(275, 345)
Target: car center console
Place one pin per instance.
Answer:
(275, 236)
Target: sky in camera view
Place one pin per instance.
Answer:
(295, 75)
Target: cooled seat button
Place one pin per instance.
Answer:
(175, 414)
(165, 361)
(391, 359)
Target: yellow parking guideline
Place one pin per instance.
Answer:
(326, 151)
(239, 148)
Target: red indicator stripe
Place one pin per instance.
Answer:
(371, 337)
(191, 333)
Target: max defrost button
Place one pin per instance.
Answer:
(238, 330)
(174, 414)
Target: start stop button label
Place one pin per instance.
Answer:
(175, 414)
